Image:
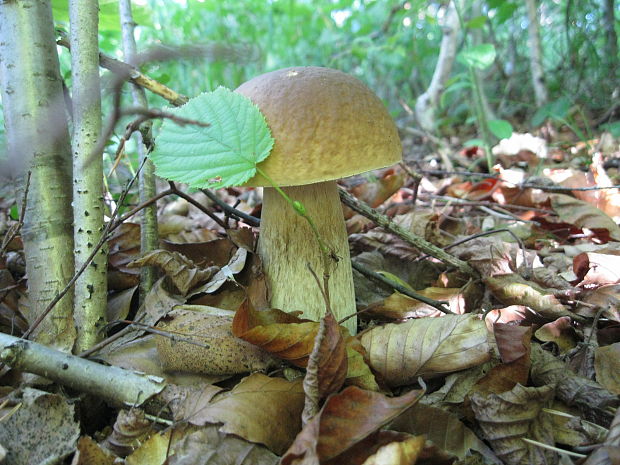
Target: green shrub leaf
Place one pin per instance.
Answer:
(223, 154)
(500, 128)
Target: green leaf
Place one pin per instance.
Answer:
(613, 128)
(473, 142)
(505, 12)
(480, 56)
(477, 22)
(223, 154)
(500, 128)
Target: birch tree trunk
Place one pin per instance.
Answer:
(91, 286)
(149, 237)
(536, 67)
(427, 103)
(38, 141)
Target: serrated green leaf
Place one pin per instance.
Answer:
(500, 128)
(480, 56)
(223, 154)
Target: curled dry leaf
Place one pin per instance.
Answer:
(291, 338)
(399, 306)
(426, 347)
(346, 419)
(327, 365)
(507, 418)
(512, 289)
(202, 343)
(181, 270)
(227, 272)
(130, 429)
(260, 409)
(560, 331)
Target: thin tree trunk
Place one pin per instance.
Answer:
(91, 286)
(149, 237)
(427, 103)
(536, 67)
(612, 38)
(479, 84)
(38, 141)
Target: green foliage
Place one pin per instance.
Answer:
(479, 56)
(223, 154)
(500, 128)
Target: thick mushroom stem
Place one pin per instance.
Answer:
(287, 245)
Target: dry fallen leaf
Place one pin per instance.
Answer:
(89, 452)
(607, 364)
(426, 347)
(42, 430)
(583, 215)
(346, 419)
(327, 365)
(507, 418)
(260, 409)
(208, 446)
(180, 269)
(512, 289)
(443, 428)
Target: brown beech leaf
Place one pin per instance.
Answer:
(607, 297)
(346, 419)
(512, 289)
(443, 428)
(209, 446)
(583, 215)
(507, 418)
(399, 306)
(327, 365)
(561, 332)
(260, 409)
(180, 269)
(197, 342)
(514, 344)
(597, 268)
(426, 347)
(89, 452)
(291, 338)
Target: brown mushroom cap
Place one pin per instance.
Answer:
(327, 125)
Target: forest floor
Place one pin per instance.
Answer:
(516, 361)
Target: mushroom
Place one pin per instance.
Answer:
(326, 125)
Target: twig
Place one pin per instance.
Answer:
(441, 306)
(114, 384)
(232, 211)
(417, 241)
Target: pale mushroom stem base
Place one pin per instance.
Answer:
(287, 245)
